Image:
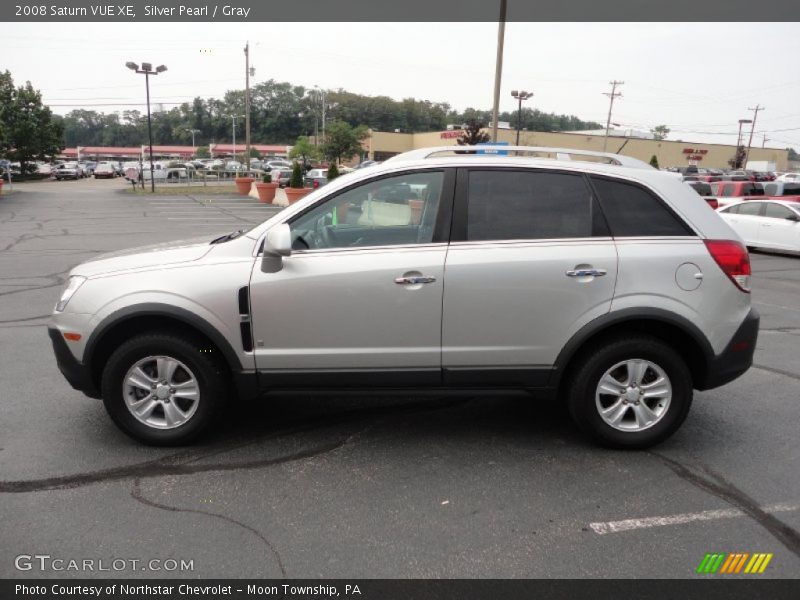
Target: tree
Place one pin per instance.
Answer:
(202, 152)
(342, 140)
(654, 161)
(660, 132)
(473, 134)
(304, 149)
(29, 131)
(793, 155)
(737, 162)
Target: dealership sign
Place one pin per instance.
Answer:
(694, 153)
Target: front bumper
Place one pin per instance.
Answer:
(737, 357)
(78, 375)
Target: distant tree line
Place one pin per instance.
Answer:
(281, 112)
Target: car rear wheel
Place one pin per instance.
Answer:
(163, 390)
(630, 393)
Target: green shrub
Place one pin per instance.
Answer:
(333, 171)
(297, 176)
(267, 178)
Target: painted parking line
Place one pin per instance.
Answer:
(604, 527)
(792, 308)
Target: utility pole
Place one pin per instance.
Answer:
(498, 68)
(755, 110)
(614, 94)
(247, 104)
(764, 141)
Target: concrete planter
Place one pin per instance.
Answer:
(243, 184)
(266, 192)
(295, 194)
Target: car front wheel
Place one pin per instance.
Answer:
(163, 390)
(630, 392)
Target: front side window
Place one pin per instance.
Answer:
(391, 211)
(518, 205)
(750, 208)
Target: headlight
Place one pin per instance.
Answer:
(74, 283)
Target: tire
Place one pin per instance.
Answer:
(162, 425)
(645, 415)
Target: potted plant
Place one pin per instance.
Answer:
(266, 189)
(295, 191)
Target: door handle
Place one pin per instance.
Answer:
(414, 280)
(586, 273)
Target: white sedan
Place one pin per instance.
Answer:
(769, 224)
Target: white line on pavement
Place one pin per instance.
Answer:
(777, 306)
(602, 528)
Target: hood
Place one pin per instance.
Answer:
(155, 255)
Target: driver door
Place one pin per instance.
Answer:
(362, 289)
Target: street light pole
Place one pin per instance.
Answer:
(321, 98)
(147, 70)
(520, 96)
(193, 131)
(233, 122)
(247, 104)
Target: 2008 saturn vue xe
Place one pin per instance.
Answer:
(589, 277)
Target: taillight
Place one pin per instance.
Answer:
(733, 259)
(713, 203)
(316, 183)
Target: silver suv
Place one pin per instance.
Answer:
(587, 277)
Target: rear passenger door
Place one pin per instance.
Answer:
(530, 262)
(776, 229)
(748, 220)
(662, 261)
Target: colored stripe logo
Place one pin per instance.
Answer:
(734, 563)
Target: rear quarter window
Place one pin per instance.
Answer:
(633, 211)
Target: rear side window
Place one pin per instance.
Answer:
(518, 205)
(632, 211)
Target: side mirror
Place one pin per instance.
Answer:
(277, 244)
(793, 217)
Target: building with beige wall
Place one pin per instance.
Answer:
(380, 145)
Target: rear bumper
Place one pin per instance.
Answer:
(78, 375)
(737, 357)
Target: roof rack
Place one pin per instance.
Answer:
(500, 150)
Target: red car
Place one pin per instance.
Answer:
(105, 170)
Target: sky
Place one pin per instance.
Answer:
(699, 79)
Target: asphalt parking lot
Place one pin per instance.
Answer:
(469, 486)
